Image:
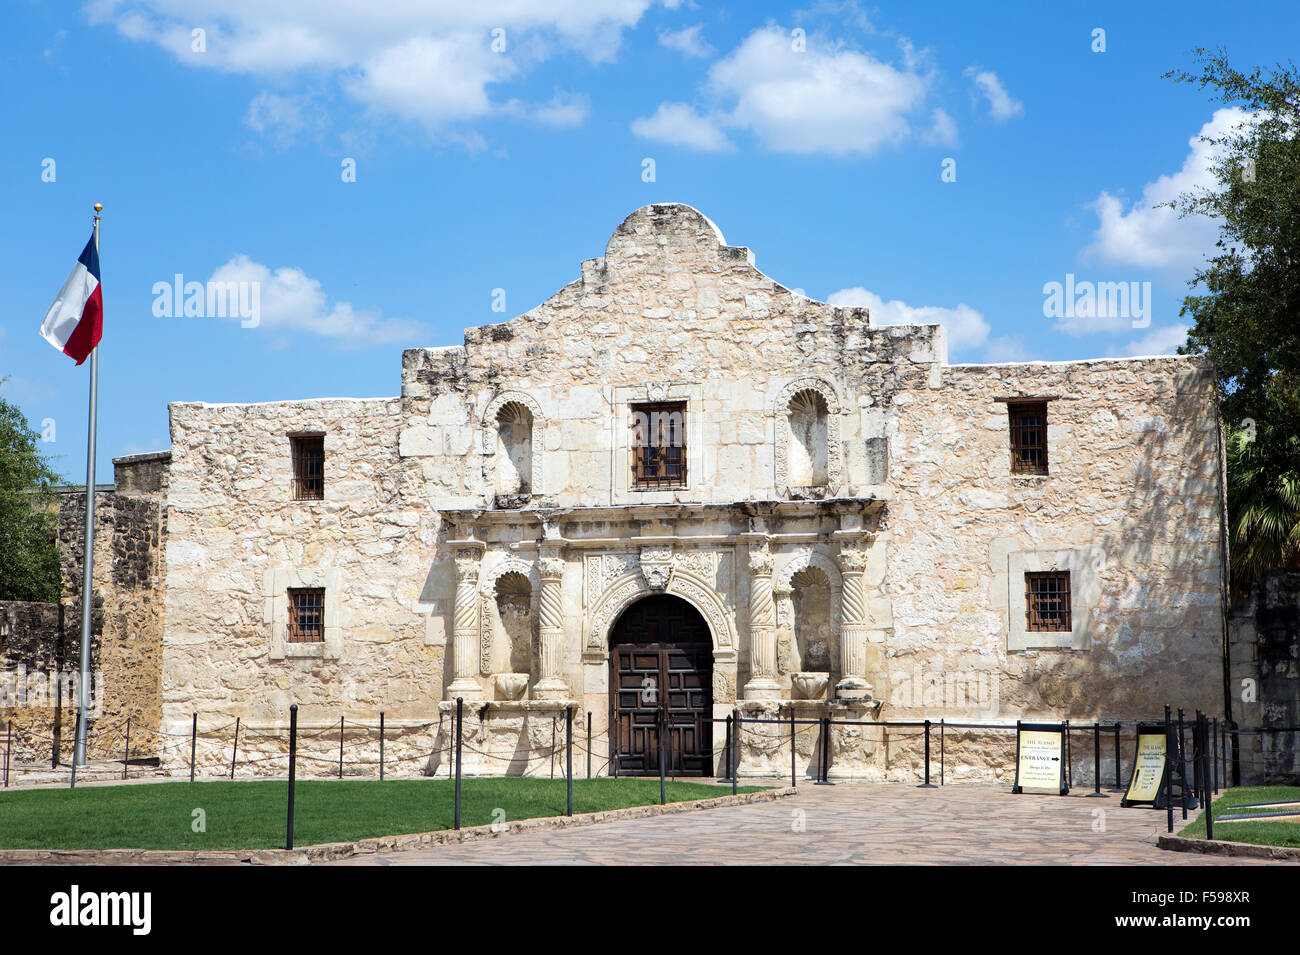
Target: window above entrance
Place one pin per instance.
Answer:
(659, 445)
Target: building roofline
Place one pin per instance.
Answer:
(280, 401)
(1074, 361)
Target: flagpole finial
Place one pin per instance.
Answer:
(99, 207)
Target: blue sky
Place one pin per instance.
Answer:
(222, 153)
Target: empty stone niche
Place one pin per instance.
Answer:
(811, 595)
(515, 617)
(809, 458)
(514, 476)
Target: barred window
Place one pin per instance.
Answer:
(308, 467)
(1047, 601)
(1028, 437)
(659, 445)
(306, 615)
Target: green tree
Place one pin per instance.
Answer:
(1245, 309)
(29, 558)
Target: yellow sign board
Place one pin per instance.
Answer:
(1040, 758)
(1148, 768)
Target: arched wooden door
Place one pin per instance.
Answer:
(661, 665)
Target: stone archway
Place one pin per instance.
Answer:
(661, 677)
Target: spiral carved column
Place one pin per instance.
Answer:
(854, 624)
(550, 645)
(465, 627)
(762, 683)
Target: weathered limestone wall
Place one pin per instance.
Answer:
(126, 626)
(1133, 484)
(441, 529)
(669, 313)
(238, 540)
(1265, 678)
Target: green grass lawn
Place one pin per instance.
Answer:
(1257, 831)
(252, 815)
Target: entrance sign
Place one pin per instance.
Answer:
(1040, 758)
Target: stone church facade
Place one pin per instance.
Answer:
(678, 490)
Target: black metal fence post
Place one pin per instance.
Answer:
(1182, 760)
(1118, 785)
(1169, 768)
(613, 738)
(234, 752)
(293, 771)
(1096, 761)
(1207, 797)
(941, 752)
(1234, 745)
(726, 766)
(460, 716)
(381, 746)
(927, 784)
(568, 755)
(9, 742)
(663, 786)
(588, 744)
(793, 783)
(76, 728)
(736, 725)
(126, 748)
(1214, 755)
(825, 779)
(194, 736)
(1069, 759)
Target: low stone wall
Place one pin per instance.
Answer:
(35, 649)
(263, 748)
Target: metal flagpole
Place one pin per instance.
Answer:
(88, 557)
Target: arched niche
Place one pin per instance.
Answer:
(809, 452)
(514, 435)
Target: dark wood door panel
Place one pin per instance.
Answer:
(661, 666)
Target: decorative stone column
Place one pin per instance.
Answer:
(762, 683)
(854, 624)
(465, 625)
(550, 645)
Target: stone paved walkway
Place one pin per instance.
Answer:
(849, 824)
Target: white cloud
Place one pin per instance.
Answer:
(942, 131)
(289, 299)
(564, 109)
(822, 100)
(432, 79)
(431, 62)
(680, 125)
(1006, 348)
(966, 327)
(1159, 341)
(687, 41)
(1140, 234)
(1001, 105)
(284, 119)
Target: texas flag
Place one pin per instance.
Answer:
(75, 321)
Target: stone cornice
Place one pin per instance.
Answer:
(542, 516)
